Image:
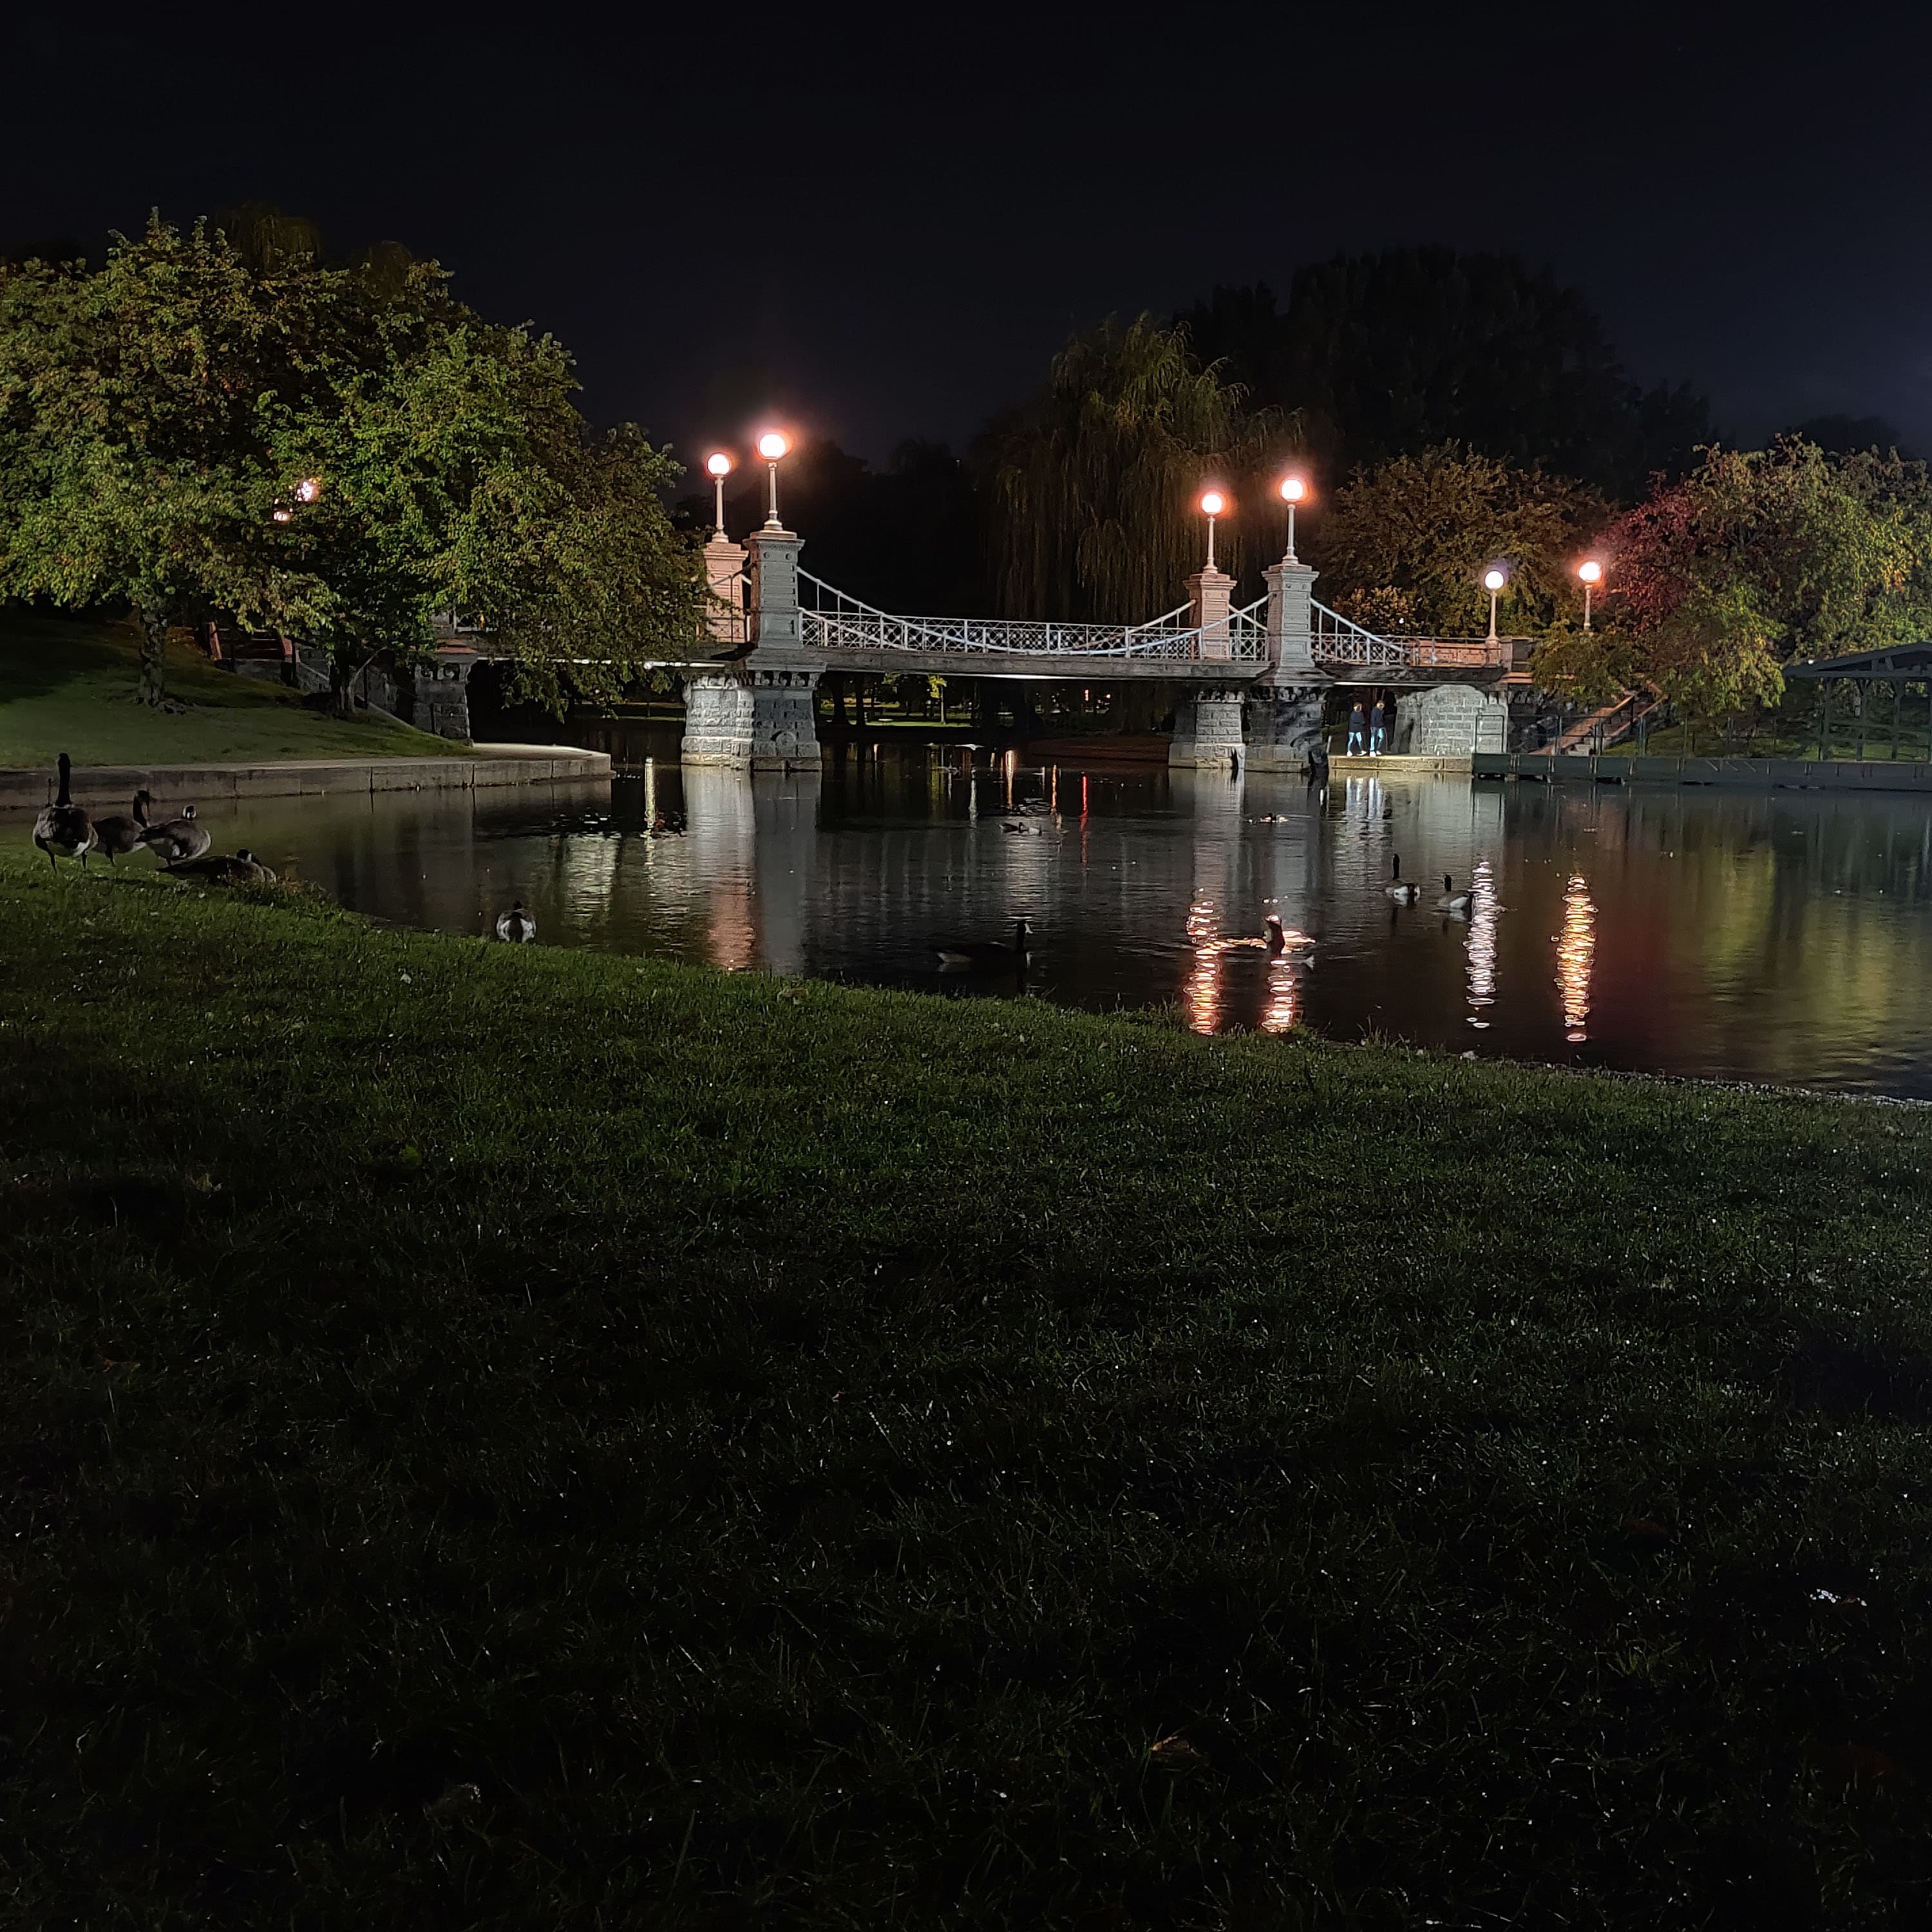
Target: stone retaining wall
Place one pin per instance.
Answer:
(495, 765)
(1732, 774)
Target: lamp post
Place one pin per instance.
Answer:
(1212, 504)
(720, 467)
(1591, 572)
(1293, 490)
(1493, 580)
(771, 446)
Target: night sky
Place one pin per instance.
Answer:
(882, 222)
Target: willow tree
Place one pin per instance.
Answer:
(1094, 485)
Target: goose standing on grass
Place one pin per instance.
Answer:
(174, 840)
(1451, 900)
(63, 830)
(242, 868)
(516, 926)
(988, 956)
(121, 834)
(1403, 892)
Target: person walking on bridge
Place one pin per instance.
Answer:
(1357, 726)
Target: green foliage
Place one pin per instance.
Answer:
(1423, 528)
(131, 464)
(159, 419)
(1094, 485)
(1762, 556)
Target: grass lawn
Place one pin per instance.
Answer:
(498, 1437)
(69, 686)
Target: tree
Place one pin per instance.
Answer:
(131, 466)
(345, 452)
(1409, 541)
(1390, 354)
(1756, 558)
(1092, 487)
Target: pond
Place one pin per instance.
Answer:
(1779, 936)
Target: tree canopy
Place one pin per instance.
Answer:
(1394, 353)
(1403, 547)
(1093, 486)
(1757, 557)
(347, 452)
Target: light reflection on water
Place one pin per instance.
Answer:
(1576, 948)
(1781, 936)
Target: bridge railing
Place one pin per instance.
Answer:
(830, 620)
(1337, 639)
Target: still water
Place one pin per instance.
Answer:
(1777, 937)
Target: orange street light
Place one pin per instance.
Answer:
(1212, 504)
(720, 467)
(1293, 490)
(1494, 579)
(772, 446)
(1591, 572)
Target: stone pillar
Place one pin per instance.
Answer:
(1283, 725)
(725, 616)
(774, 582)
(1210, 595)
(1290, 621)
(717, 719)
(761, 712)
(439, 694)
(1207, 728)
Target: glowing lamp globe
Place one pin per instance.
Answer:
(1591, 572)
(308, 489)
(772, 446)
(718, 463)
(1212, 503)
(1494, 580)
(283, 513)
(1293, 489)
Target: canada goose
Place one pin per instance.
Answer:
(516, 926)
(986, 955)
(242, 868)
(1452, 900)
(667, 825)
(1277, 940)
(121, 834)
(63, 830)
(175, 839)
(1404, 893)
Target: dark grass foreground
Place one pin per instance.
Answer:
(831, 1458)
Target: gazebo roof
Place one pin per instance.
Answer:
(1913, 661)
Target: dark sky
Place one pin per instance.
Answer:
(883, 221)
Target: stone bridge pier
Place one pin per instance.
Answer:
(756, 708)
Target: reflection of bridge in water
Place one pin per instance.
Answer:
(1252, 679)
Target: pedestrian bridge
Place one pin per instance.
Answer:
(1251, 680)
(1183, 642)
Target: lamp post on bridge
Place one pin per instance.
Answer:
(772, 446)
(1494, 580)
(719, 465)
(1293, 490)
(1212, 503)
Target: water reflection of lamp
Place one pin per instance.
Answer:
(1483, 910)
(1575, 952)
(1284, 995)
(1202, 993)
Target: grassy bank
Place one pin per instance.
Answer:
(502, 1437)
(69, 686)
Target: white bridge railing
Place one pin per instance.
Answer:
(1336, 640)
(832, 621)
